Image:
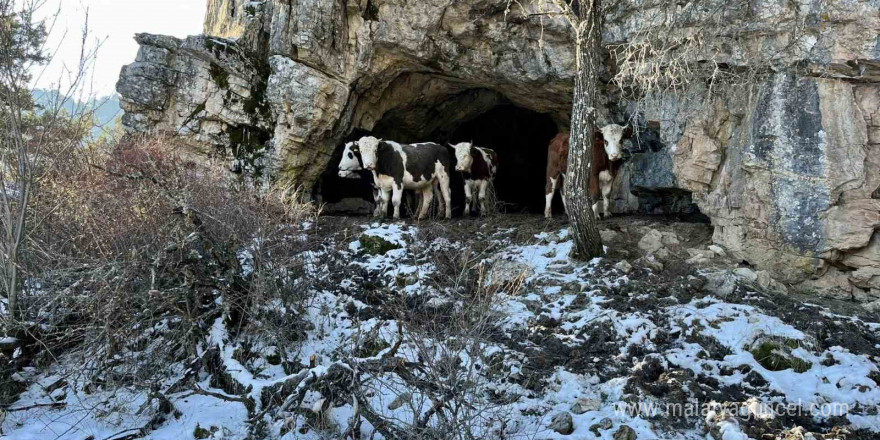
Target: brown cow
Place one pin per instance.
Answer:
(606, 156)
(557, 166)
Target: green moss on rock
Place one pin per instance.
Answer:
(219, 75)
(371, 347)
(202, 433)
(377, 245)
(247, 145)
(775, 355)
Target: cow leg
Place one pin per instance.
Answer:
(606, 204)
(563, 192)
(447, 195)
(484, 187)
(438, 194)
(468, 195)
(605, 182)
(427, 199)
(377, 211)
(413, 202)
(385, 195)
(378, 196)
(396, 197)
(377, 199)
(550, 190)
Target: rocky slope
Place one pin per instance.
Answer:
(781, 149)
(490, 332)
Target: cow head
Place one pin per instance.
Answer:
(351, 160)
(613, 134)
(463, 159)
(369, 147)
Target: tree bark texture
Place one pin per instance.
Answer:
(588, 243)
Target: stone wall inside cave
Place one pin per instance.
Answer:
(787, 167)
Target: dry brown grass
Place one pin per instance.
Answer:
(135, 250)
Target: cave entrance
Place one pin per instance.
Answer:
(520, 137)
(344, 196)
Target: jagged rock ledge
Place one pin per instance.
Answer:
(787, 168)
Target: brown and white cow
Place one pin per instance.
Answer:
(606, 155)
(478, 166)
(396, 167)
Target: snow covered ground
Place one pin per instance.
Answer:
(533, 344)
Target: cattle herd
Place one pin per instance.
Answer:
(427, 167)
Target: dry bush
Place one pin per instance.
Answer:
(442, 387)
(139, 250)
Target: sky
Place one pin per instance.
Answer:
(113, 23)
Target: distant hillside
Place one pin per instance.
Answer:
(106, 108)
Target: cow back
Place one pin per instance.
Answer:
(493, 160)
(557, 155)
(421, 159)
(480, 168)
(389, 161)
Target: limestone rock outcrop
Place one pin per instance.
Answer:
(784, 157)
(206, 89)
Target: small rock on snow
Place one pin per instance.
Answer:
(746, 274)
(562, 423)
(651, 262)
(603, 425)
(624, 266)
(585, 404)
(625, 433)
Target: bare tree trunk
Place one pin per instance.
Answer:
(588, 243)
(11, 282)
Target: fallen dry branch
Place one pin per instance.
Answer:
(39, 405)
(248, 403)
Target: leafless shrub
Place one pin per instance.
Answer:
(33, 139)
(675, 45)
(441, 388)
(714, 45)
(144, 248)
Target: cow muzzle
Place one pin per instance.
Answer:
(346, 174)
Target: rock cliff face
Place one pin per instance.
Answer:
(786, 165)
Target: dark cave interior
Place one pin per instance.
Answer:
(520, 137)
